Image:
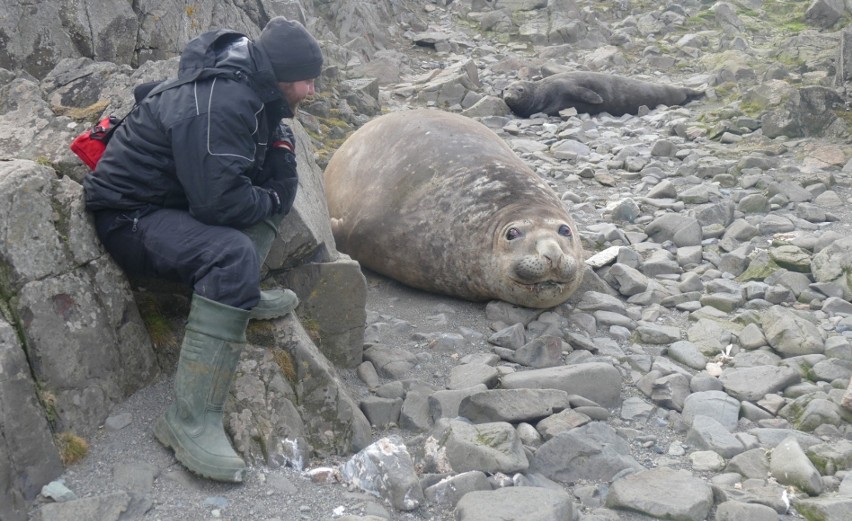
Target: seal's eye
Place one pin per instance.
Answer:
(512, 234)
(565, 230)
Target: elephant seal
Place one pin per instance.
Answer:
(592, 93)
(439, 202)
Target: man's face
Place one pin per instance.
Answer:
(295, 92)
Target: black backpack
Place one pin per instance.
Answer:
(91, 143)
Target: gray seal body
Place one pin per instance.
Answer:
(592, 93)
(439, 202)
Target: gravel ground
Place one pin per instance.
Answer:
(280, 494)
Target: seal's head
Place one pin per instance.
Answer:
(518, 96)
(540, 257)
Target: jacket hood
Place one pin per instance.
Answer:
(227, 49)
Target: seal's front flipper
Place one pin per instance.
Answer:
(585, 95)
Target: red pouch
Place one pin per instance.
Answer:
(90, 145)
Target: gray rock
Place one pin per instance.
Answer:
(789, 334)
(681, 230)
(394, 389)
(810, 411)
(451, 85)
(670, 391)
(659, 262)
(845, 488)
(718, 405)
(790, 466)
(706, 461)
(635, 408)
(513, 405)
(318, 380)
(791, 257)
(769, 437)
(450, 490)
(741, 230)
(72, 293)
(836, 508)
(544, 351)
(595, 301)
(751, 337)
(726, 302)
(707, 433)
(711, 336)
(468, 375)
(703, 382)
(117, 422)
(753, 463)
(751, 203)
(761, 492)
(330, 285)
(639, 492)
(506, 313)
(517, 503)
(593, 452)
(832, 264)
(390, 362)
(415, 414)
(599, 382)
(773, 223)
(561, 422)
(687, 353)
(107, 507)
(831, 457)
(608, 319)
(385, 469)
(626, 280)
(445, 403)
(657, 334)
(832, 369)
(137, 479)
(753, 383)
(381, 412)
(109, 33)
(511, 337)
(736, 511)
(488, 447)
(30, 458)
(58, 492)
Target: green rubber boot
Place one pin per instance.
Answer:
(273, 303)
(192, 425)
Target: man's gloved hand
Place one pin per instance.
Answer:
(283, 137)
(279, 170)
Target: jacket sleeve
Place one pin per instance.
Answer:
(214, 152)
(280, 174)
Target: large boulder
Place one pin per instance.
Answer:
(288, 402)
(37, 35)
(86, 343)
(39, 120)
(808, 111)
(71, 310)
(27, 449)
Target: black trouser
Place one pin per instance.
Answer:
(217, 262)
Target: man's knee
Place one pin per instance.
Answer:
(240, 254)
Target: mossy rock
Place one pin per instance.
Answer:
(759, 269)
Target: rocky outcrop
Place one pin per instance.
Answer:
(77, 329)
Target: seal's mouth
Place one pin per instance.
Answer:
(545, 286)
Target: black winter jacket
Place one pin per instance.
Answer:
(200, 146)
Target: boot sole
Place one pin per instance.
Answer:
(166, 436)
(268, 314)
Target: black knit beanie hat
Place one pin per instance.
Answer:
(293, 51)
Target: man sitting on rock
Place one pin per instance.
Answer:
(192, 187)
